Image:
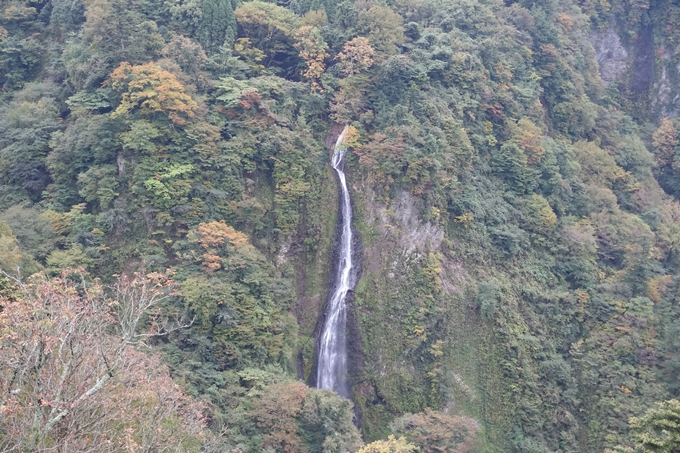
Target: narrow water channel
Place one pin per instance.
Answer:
(332, 357)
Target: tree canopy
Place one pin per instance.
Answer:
(516, 218)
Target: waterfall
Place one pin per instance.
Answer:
(332, 357)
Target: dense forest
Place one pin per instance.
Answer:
(168, 219)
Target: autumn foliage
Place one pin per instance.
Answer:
(391, 445)
(289, 417)
(435, 432)
(213, 235)
(517, 218)
(312, 49)
(356, 56)
(72, 376)
(152, 89)
(665, 139)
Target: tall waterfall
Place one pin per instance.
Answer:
(332, 358)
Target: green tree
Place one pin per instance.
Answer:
(657, 431)
(382, 27)
(269, 28)
(238, 298)
(217, 26)
(33, 230)
(26, 125)
(115, 31)
(12, 259)
(283, 415)
(188, 54)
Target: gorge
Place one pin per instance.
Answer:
(332, 349)
(503, 277)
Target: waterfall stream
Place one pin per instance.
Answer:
(332, 357)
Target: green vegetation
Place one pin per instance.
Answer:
(519, 219)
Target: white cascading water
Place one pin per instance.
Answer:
(332, 358)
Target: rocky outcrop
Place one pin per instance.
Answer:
(665, 88)
(402, 214)
(647, 74)
(612, 57)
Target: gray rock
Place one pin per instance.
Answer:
(611, 56)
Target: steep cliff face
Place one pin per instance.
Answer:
(611, 55)
(643, 65)
(496, 266)
(420, 334)
(519, 261)
(501, 269)
(666, 92)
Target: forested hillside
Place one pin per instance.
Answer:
(168, 216)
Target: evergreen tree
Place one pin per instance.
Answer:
(217, 25)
